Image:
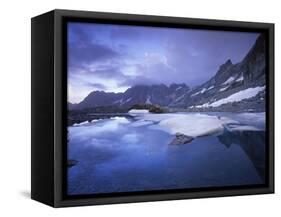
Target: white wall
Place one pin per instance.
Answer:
(15, 106)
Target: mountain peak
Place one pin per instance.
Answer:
(177, 85)
(224, 67)
(228, 62)
(257, 49)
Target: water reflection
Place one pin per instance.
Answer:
(118, 155)
(252, 143)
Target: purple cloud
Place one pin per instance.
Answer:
(115, 57)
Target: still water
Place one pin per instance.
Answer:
(116, 155)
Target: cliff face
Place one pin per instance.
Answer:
(235, 79)
(254, 64)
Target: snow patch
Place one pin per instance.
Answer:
(223, 89)
(199, 92)
(205, 105)
(229, 80)
(210, 88)
(195, 94)
(203, 90)
(128, 100)
(241, 78)
(118, 101)
(236, 97)
(148, 100)
(180, 98)
(122, 101)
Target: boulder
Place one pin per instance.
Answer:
(181, 139)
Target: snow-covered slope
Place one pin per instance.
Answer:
(242, 83)
(236, 97)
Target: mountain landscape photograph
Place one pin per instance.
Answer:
(154, 108)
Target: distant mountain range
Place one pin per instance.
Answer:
(238, 86)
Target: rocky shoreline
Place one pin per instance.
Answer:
(77, 117)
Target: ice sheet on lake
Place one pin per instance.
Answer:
(190, 124)
(141, 123)
(242, 128)
(80, 124)
(138, 111)
(193, 125)
(254, 119)
(196, 124)
(120, 120)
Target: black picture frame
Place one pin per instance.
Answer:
(49, 106)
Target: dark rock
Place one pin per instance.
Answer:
(71, 163)
(252, 143)
(181, 139)
(159, 94)
(99, 98)
(71, 106)
(157, 110)
(151, 108)
(232, 78)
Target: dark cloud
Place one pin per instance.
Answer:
(85, 48)
(136, 80)
(101, 55)
(96, 85)
(197, 54)
(79, 33)
(125, 32)
(88, 52)
(105, 70)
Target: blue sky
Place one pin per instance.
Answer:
(113, 58)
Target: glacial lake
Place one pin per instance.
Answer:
(133, 154)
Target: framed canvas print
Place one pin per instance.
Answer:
(130, 108)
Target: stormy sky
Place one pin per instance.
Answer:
(113, 58)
